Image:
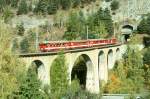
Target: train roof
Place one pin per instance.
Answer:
(63, 41)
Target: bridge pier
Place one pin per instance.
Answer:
(96, 87)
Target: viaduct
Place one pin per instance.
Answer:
(94, 69)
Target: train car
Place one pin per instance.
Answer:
(68, 45)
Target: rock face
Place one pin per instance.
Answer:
(132, 9)
(30, 22)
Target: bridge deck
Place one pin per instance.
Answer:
(65, 51)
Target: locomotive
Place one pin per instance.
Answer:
(69, 45)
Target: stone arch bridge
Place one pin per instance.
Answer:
(97, 60)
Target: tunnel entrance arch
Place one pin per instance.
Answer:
(82, 69)
(127, 31)
(38, 67)
(128, 27)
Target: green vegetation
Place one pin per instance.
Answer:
(42, 6)
(147, 67)
(114, 5)
(99, 25)
(7, 14)
(144, 26)
(30, 86)
(20, 29)
(108, 0)
(59, 77)
(23, 7)
(130, 75)
(17, 83)
(127, 76)
(24, 45)
(10, 66)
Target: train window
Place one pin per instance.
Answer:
(58, 45)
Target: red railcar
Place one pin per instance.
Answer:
(67, 45)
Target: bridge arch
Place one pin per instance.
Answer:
(101, 65)
(39, 68)
(110, 59)
(118, 54)
(83, 70)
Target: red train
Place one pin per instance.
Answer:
(68, 45)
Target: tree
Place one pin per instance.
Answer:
(108, 0)
(52, 8)
(23, 7)
(15, 46)
(134, 64)
(2, 5)
(146, 67)
(24, 45)
(127, 73)
(31, 37)
(30, 86)
(114, 5)
(30, 7)
(66, 4)
(14, 3)
(103, 20)
(144, 26)
(10, 66)
(76, 3)
(146, 57)
(72, 27)
(59, 76)
(7, 14)
(41, 7)
(20, 29)
(108, 22)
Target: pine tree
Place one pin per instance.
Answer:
(104, 17)
(52, 8)
(73, 27)
(24, 45)
(10, 65)
(2, 5)
(14, 3)
(144, 26)
(108, 22)
(59, 76)
(23, 7)
(30, 86)
(20, 29)
(108, 0)
(15, 46)
(7, 14)
(134, 68)
(76, 3)
(30, 6)
(146, 67)
(41, 7)
(114, 5)
(127, 75)
(146, 57)
(66, 4)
